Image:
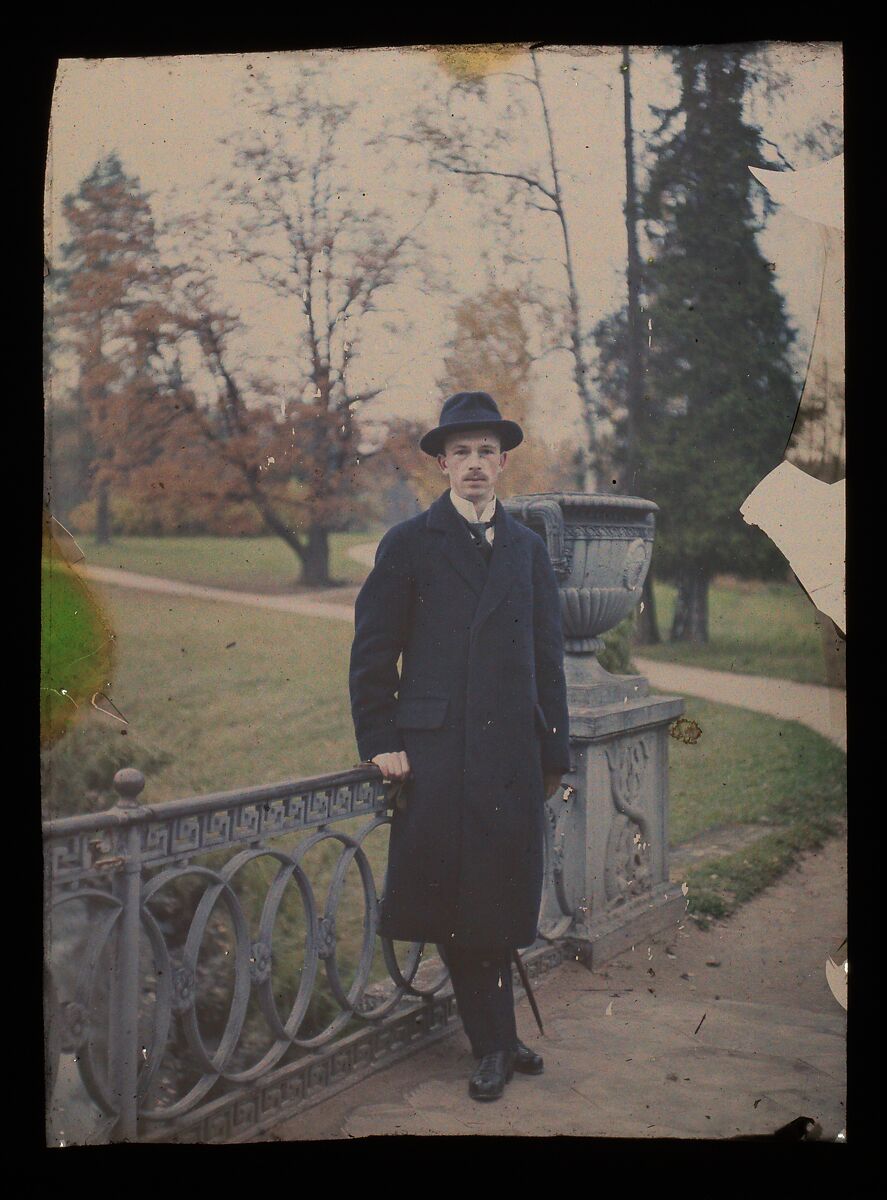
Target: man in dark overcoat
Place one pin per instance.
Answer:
(474, 725)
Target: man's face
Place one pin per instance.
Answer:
(473, 462)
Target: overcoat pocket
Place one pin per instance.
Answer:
(421, 712)
(541, 723)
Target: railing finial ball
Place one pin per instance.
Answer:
(128, 783)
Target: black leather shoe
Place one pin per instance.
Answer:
(493, 1072)
(527, 1061)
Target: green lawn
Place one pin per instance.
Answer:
(754, 629)
(231, 696)
(256, 564)
(747, 768)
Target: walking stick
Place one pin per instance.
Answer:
(525, 980)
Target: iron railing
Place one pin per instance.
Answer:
(136, 947)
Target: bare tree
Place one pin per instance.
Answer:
(290, 219)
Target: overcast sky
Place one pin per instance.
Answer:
(165, 118)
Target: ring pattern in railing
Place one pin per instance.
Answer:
(134, 863)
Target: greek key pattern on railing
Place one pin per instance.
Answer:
(78, 855)
(166, 841)
(170, 838)
(129, 985)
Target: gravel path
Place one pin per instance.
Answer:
(822, 709)
(331, 604)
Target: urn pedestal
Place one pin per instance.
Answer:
(606, 880)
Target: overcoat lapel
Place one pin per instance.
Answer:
(490, 582)
(456, 545)
(502, 571)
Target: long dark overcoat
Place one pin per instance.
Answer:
(479, 707)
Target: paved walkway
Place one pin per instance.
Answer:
(715, 1033)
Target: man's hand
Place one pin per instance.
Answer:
(394, 766)
(552, 784)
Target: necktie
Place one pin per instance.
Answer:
(478, 535)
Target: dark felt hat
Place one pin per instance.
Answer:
(471, 410)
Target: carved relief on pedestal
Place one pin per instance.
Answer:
(558, 908)
(628, 869)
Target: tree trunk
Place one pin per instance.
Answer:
(690, 622)
(590, 412)
(102, 515)
(635, 333)
(646, 628)
(316, 558)
(313, 554)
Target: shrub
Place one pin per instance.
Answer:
(77, 773)
(616, 655)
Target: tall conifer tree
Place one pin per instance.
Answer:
(719, 393)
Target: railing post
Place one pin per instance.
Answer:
(123, 1047)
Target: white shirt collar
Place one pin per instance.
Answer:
(468, 511)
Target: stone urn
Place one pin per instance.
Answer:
(607, 885)
(600, 547)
